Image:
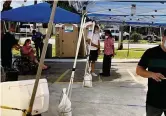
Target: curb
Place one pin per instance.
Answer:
(84, 60)
(100, 60)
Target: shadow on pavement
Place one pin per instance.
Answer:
(61, 72)
(114, 75)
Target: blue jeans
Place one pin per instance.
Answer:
(152, 111)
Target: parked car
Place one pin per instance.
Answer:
(26, 28)
(152, 37)
(115, 34)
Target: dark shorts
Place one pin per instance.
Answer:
(93, 55)
(152, 111)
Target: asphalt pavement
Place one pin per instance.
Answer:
(121, 94)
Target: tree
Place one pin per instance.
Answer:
(120, 43)
(63, 4)
(6, 5)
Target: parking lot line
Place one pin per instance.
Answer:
(132, 75)
(62, 76)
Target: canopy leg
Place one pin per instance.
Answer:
(38, 75)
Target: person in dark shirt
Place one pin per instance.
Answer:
(37, 38)
(154, 59)
(7, 43)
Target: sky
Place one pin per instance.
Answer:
(18, 3)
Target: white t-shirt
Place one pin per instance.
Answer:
(95, 39)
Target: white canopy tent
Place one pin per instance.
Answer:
(139, 12)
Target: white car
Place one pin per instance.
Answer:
(115, 34)
(26, 28)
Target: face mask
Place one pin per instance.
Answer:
(106, 37)
(96, 31)
(29, 44)
(12, 33)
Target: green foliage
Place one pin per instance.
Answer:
(63, 4)
(6, 5)
(122, 54)
(136, 37)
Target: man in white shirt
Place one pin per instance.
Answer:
(94, 48)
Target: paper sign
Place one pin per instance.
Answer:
(69, 29)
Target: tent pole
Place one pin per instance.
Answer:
(5, 27)
(81, 29)
(85, 46)
(26, 31)
(38, 75)
(129, 42)
(88, 66)
(161, 34)
(86, 51)
(75, 60)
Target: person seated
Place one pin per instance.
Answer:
(28, 51)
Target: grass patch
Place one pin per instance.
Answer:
(53, 37)
(53, 51)
(122, 54)
(141, 42)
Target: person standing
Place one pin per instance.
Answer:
(7, 43)
(108, 53)
(37, 38)
(94, 48)
(154, 59)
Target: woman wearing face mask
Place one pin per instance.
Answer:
(94, 48)
(108, 53)
(27, 50)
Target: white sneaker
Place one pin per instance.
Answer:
(93, 74)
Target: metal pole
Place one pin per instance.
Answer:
(161, 34)
(5, 27)
(76, 56)
(38, 75)
(26, 31)
(88, 52)
(129, 42)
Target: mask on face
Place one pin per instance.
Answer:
(12, 33)
(106, 37)
(96, 31)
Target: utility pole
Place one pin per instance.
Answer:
(39, 71)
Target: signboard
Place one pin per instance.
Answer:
(69, 29)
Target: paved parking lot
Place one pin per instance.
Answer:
(121, 94)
